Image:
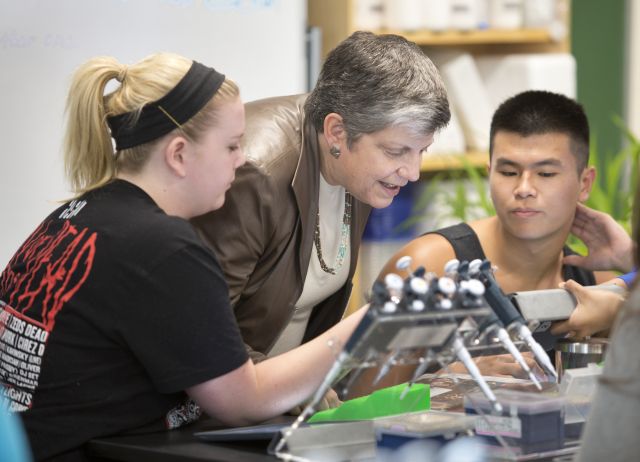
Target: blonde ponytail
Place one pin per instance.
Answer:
(89, 156)
(88, 153)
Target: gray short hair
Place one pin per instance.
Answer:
(376, 81)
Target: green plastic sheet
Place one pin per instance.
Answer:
(380, 403)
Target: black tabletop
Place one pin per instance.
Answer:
(177, 445)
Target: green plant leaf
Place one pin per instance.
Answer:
(420, 203)
(428, 193)
(478, 177)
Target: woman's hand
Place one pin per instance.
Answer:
(594, 312)
(329, 401)
(608, 244)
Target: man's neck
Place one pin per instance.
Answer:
(523, 264)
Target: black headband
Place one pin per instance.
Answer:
(156, 119)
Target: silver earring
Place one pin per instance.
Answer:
(334, 151)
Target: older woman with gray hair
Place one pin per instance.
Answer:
(289, 233)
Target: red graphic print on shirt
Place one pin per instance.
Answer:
(43, 275)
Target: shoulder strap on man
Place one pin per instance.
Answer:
(580, 275)
(464, 241)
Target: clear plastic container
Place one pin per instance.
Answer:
(435, 426)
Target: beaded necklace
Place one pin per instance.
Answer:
(345, 234)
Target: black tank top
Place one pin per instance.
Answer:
(466, 245)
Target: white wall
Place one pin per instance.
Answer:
(258, 43)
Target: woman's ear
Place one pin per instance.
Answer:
(333, 129)
(176, 156)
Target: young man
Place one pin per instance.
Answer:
(538, 173)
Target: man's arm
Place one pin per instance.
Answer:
(605, 277)
(431, 251)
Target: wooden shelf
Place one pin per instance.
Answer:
(337, 20)
(475, 37)
(444, 162)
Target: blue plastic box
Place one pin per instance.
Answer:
(529, 422)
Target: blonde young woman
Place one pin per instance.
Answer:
(114, 316)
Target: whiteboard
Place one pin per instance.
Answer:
(258, 43)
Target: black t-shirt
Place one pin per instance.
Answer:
(108, 311)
